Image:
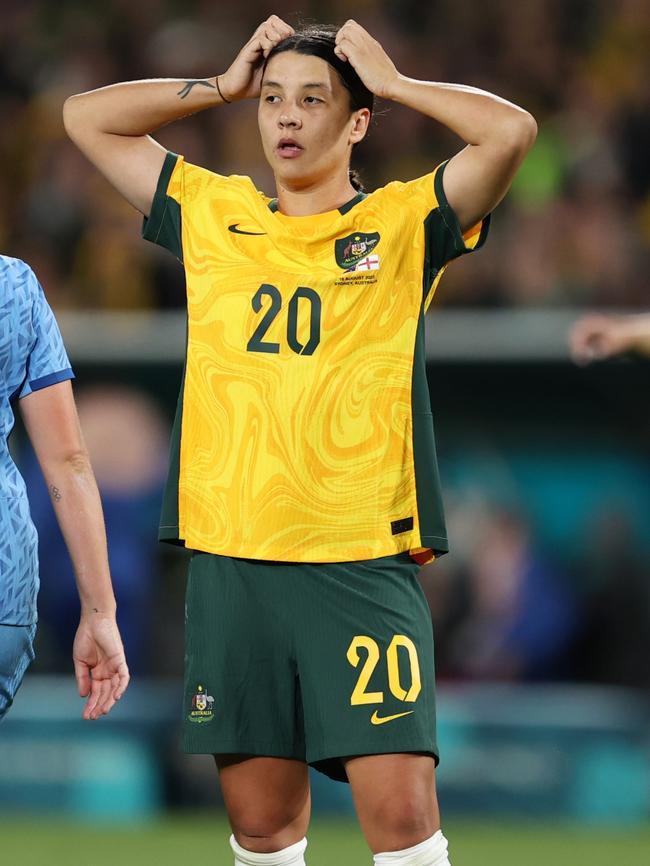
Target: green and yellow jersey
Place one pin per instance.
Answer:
(304, 430)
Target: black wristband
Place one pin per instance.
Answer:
(219, 91)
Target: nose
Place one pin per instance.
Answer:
(289, 120)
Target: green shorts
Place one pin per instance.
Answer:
(312, 661)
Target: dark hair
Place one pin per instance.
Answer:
(319, 40)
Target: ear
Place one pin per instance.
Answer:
(361, 122)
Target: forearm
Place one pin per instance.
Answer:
(137, 108)
(78, 509)
(637, 333)
(476, 116)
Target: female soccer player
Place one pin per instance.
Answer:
(36, 372)
(303, 471)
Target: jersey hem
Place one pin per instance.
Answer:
(438, 544)
(19, 622)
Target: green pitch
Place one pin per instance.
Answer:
(183, 841)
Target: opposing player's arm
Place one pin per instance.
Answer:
(53, 427)
(113, 125)
(498, 133)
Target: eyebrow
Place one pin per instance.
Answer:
(315, 84)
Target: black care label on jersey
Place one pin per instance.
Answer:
(351, 250)
(402, 525)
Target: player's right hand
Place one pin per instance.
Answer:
(243, 78)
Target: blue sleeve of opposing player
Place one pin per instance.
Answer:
(48, 362)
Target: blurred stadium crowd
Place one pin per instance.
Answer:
(574, 231)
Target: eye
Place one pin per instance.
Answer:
(312, 100)
(271, 98)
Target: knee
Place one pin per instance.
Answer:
(406, 821)
(266, 830)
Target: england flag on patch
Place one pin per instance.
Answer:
(370, 263)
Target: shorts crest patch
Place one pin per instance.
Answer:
(201, 707)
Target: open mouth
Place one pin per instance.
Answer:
(288, 148)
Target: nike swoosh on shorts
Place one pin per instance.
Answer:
(380, 720)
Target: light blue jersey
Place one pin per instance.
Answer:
(32, 356)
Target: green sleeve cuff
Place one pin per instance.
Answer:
(163, 225)
(455, 245)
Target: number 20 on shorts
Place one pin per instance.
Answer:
(373, 656)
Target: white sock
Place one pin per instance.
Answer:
(431, 852)
(291, 856)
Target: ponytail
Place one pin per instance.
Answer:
(355, 180)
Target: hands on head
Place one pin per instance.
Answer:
(355, 45)
(371, 63)
(100, 665)
(243, 78)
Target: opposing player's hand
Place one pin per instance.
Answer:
(371, 63)
(243, 78)
(99, 664)
(597, 337)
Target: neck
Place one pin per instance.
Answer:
(314, 198)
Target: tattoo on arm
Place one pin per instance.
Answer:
(56, 493)
(190, 84)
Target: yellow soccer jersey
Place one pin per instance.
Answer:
(304, 429)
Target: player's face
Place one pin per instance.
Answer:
(305, 121)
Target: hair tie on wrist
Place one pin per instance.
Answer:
(220, 93)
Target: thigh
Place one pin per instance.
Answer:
(267, 800)
(240, 676)
(16, 654)
(366, 668)
(395, 799)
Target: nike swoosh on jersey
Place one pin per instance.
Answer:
(380, 720)
(234, 228)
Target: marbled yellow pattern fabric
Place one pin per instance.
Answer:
(297, 432)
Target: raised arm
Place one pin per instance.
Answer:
(498, 134)
(53, 426)
(113, 125)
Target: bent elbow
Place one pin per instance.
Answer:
(528, 131)
(520, 134)
(71, 112)
(68, 114)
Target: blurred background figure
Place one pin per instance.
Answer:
(126, 436)
(517, 612)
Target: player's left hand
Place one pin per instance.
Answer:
(371, 63)
(99, 663)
